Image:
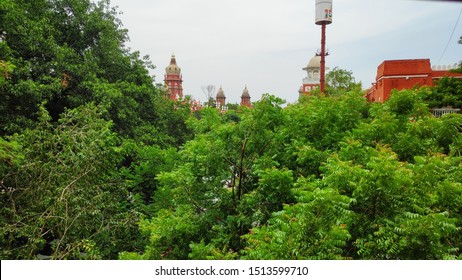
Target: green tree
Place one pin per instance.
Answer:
(68, 53)
(65, 200)
(391, 199)
(404, 122)
(330, 177)
(341, 80)
(314, 127)
(446, 92)
(84, 131)
(316, 227)
(391, 210)
(222, 175)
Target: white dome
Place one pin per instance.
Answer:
(315, 62)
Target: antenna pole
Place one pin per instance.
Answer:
(323, 57)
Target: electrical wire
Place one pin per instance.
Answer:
(450, 38)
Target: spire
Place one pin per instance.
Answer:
(173, 59)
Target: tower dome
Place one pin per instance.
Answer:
(314, 62)
(221, 99)
(245, 93)
(173, 67)
(220, 93)
(245, 98)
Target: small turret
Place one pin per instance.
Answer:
(221, 98)
(245, 98)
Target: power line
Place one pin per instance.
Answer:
(450, 38)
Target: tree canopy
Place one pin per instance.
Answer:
(96, 164)
(341, 80)
(327, 178)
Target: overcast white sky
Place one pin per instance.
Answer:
(264, 44)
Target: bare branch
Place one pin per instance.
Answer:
(209, 91)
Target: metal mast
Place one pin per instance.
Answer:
(323, 18)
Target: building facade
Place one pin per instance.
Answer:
(405, 74)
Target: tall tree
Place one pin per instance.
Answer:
(341, 80)
(67, 53)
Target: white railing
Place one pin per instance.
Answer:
(439, 112)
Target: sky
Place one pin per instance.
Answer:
(264, 44)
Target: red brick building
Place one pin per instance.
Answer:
(404, 74)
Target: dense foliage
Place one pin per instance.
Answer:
(79, 113)
(325, 178)
(96, 164)
(447, 92)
